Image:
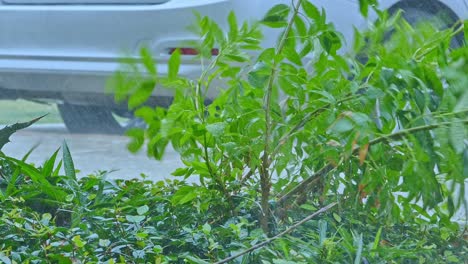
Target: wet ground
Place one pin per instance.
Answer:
(90, 153)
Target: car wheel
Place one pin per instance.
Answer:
(89, 119)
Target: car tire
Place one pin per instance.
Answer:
(89, 119)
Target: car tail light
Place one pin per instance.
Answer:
(192, 51)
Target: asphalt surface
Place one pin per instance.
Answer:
(90, 152)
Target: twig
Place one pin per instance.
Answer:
(291, 228)
(306, 119)
(265, 177)
(327, 168)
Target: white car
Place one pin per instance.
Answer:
(64, 50)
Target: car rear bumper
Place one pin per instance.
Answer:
(76, 48)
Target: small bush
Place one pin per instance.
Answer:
(368, 139)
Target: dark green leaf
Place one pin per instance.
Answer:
(7, 131)
(68, 162)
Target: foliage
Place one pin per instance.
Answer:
(141, 221)
(382, 128)
(272, 134)
(7, 131)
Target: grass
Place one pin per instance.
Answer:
(20, 111)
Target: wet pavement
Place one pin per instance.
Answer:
(91, 153)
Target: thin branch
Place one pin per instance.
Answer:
(412, 130)
(307, 119)
(265, 177)
(291, 228)
(327, 168)
(303, 185)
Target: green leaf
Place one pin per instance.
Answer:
(364, 7)
(68, 162)
(147, 60)
(195, 260)
(292, 55)
(135, 218)
(308, 207)
(141, 95)
(375, 246)
(233, 27)
(277, 16)
(216, 129)
(301, 28)
(461, 105)
(237, 57)
(78, 242)
(206, 228)
(457, 135)
(342, 125)
(182, 172)
(48, 167)
(104, 242)
(142, 210)
(311, 11)
(137, 139)
(173, 65)
(7, 131)
(330, 41)
(359, 243)
(337, 217)
(184, 195)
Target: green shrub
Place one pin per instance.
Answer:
(295, 129)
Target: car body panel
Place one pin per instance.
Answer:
(80, 2)
(72, 49)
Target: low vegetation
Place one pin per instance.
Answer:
(306, 155)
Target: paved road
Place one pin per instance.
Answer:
(90, 153)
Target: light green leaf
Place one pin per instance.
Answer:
(457, 135)
(342, 125)
(142, 210)
(195, 260)
(232, 20)
(147, 60)
(216, 129)
(337, 217)
(359, 243)
(276, 16)
(206, 228)
(311, 10)
(104, 242)
(78, 242)
(184, 195)
(330, 41)
(137, 136)
(174, 64)
(301, 27)
(462, 103)
(135, 218)
(141, 95)
(375, 246)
